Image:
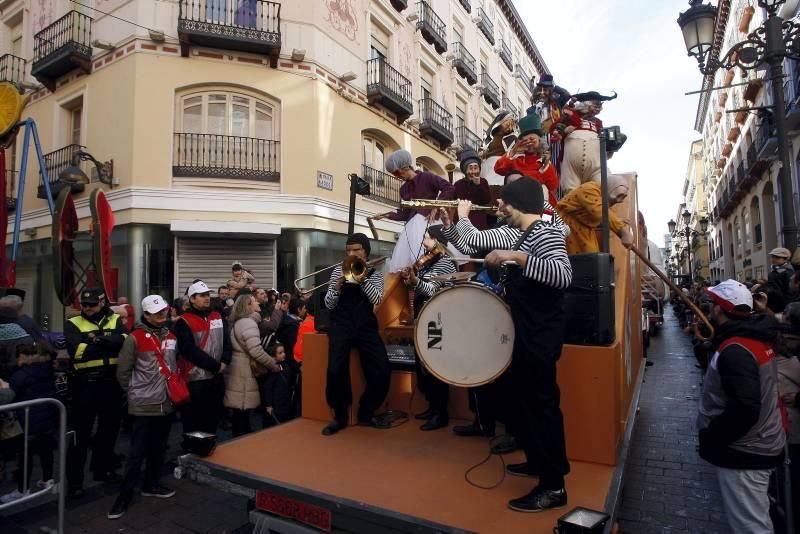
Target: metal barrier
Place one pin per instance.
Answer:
(59, 488)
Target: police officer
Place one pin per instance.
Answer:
(94, 339)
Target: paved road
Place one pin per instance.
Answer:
(668, 487)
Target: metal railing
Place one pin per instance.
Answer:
(435, 116)
(259, 15)
(505, 55)
(12, 69)
(57, 161)
(384, 79)
(466, 5)
(225, 156)
(490, 89)
(466, 138)
(485, 25)
(383, 187)
(521, 73)
(508, 106)
(430, 22)
(464, 61)
(73, 30)
(59, 487)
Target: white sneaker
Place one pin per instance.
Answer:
(11, 497)
(45, 484)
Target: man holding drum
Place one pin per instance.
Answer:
(537, 270)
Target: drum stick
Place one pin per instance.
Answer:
(475, 260)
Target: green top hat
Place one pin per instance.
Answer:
(530, 124)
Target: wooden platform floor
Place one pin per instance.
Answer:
(408, 471)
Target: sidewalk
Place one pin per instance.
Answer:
(667, 486)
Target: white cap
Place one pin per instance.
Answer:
(730, 294)
(198, 287)
(153, 304)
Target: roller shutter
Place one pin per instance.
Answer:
(211, 258)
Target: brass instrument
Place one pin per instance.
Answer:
(450, 167)
(420, 203)
(354, 270)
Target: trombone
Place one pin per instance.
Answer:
(354, 270)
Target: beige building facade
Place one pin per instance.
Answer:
(233, 126)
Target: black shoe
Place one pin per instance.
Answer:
(474, 429)
(333, 427)
(505, 445)
(120, 506)
(522, 470)
(162, 492)
(109, 477)
(540, 500)
(424, 416)
(75, 492)
(648, 363)
(435, 422)
(374, 422)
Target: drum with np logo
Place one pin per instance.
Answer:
(464, 335)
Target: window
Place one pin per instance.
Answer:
(755, 210)
(227, 114)
(426, 83)
(75, 116)
(746, 230)
(461, 114)
(738, 240)
(16, 39)
(374, 153)
(458, 33)
(379, 42)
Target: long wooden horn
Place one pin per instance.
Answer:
(678, 290)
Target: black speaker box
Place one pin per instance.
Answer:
(322, 315)
(589, 300)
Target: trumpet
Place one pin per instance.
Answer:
(354, 270)
(420, 203)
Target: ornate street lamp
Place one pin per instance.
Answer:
(671, 225)
(773, 42)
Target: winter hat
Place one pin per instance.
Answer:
(398, 160)
(530, 123)
(733, 297)
(525, 195)
(153, 304)
(781, 252)
(467, 156)
(435, 232)
(359, 239)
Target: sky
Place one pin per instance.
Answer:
(635, 48)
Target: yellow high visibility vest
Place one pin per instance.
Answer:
(85, 326)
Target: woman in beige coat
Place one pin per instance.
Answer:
(241, 388)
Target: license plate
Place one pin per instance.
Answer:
(308, 514)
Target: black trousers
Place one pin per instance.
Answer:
(374, 362)
(540, 423)
(240, 422)
(436, 392)
(202, 413)
(41, 445)
(92, 400)
(149, 435)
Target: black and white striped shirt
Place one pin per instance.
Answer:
(545, 246)
(372, 288)
(427, 287)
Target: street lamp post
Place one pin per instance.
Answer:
(688, 233)
(771, 43)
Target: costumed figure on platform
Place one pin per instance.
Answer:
(499, 138)
(537, 270)
(474, 188)
(580, 129)
(582, 210)
(530, 155)
(420, 278)
(417, 185)
(547, 103)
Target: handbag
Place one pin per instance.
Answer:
(176, 382)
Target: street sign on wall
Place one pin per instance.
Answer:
(324, 180)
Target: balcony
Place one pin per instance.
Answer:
(766, 141)
(383, 187)
(466, 5)
(62, 47)
(522, 75)
(388, 88)
(490, 91)
(466, 138)
(508, 106)
(12, 69)
(225, 156)
(505, 55)
(55, 162)
(400, 5)
(431, 27)
(435, 122)
(464, 62)
(249, 26)
(485, 25)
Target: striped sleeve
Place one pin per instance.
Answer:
(547, 262)
(332, 296)
(503, 238)
(427, 287)
(457, 240)
(373, 287)
(555, 219)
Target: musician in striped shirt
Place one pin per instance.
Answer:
(421, 278)
(534, 285)
(354, 325)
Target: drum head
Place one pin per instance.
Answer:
(464, 335)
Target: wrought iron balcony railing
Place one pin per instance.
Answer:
(485, 25)
(225, 156)
(245, 25)
(62, 47)
(12, 69)
(508, 106)
(466, 138)
(55, 162)
(465, 64)
(522, 74)
(436, 122)
(433, 28)
(383, 187)
(490, 91)
(505, 55)
(466, 5)
(388, 88)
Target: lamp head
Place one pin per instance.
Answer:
(672, 225)
(73, 174)
(697, 25)
(686, 216)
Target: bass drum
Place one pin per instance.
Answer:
(464, 335)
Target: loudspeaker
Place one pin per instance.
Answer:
(322, 315)
(589, 300)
